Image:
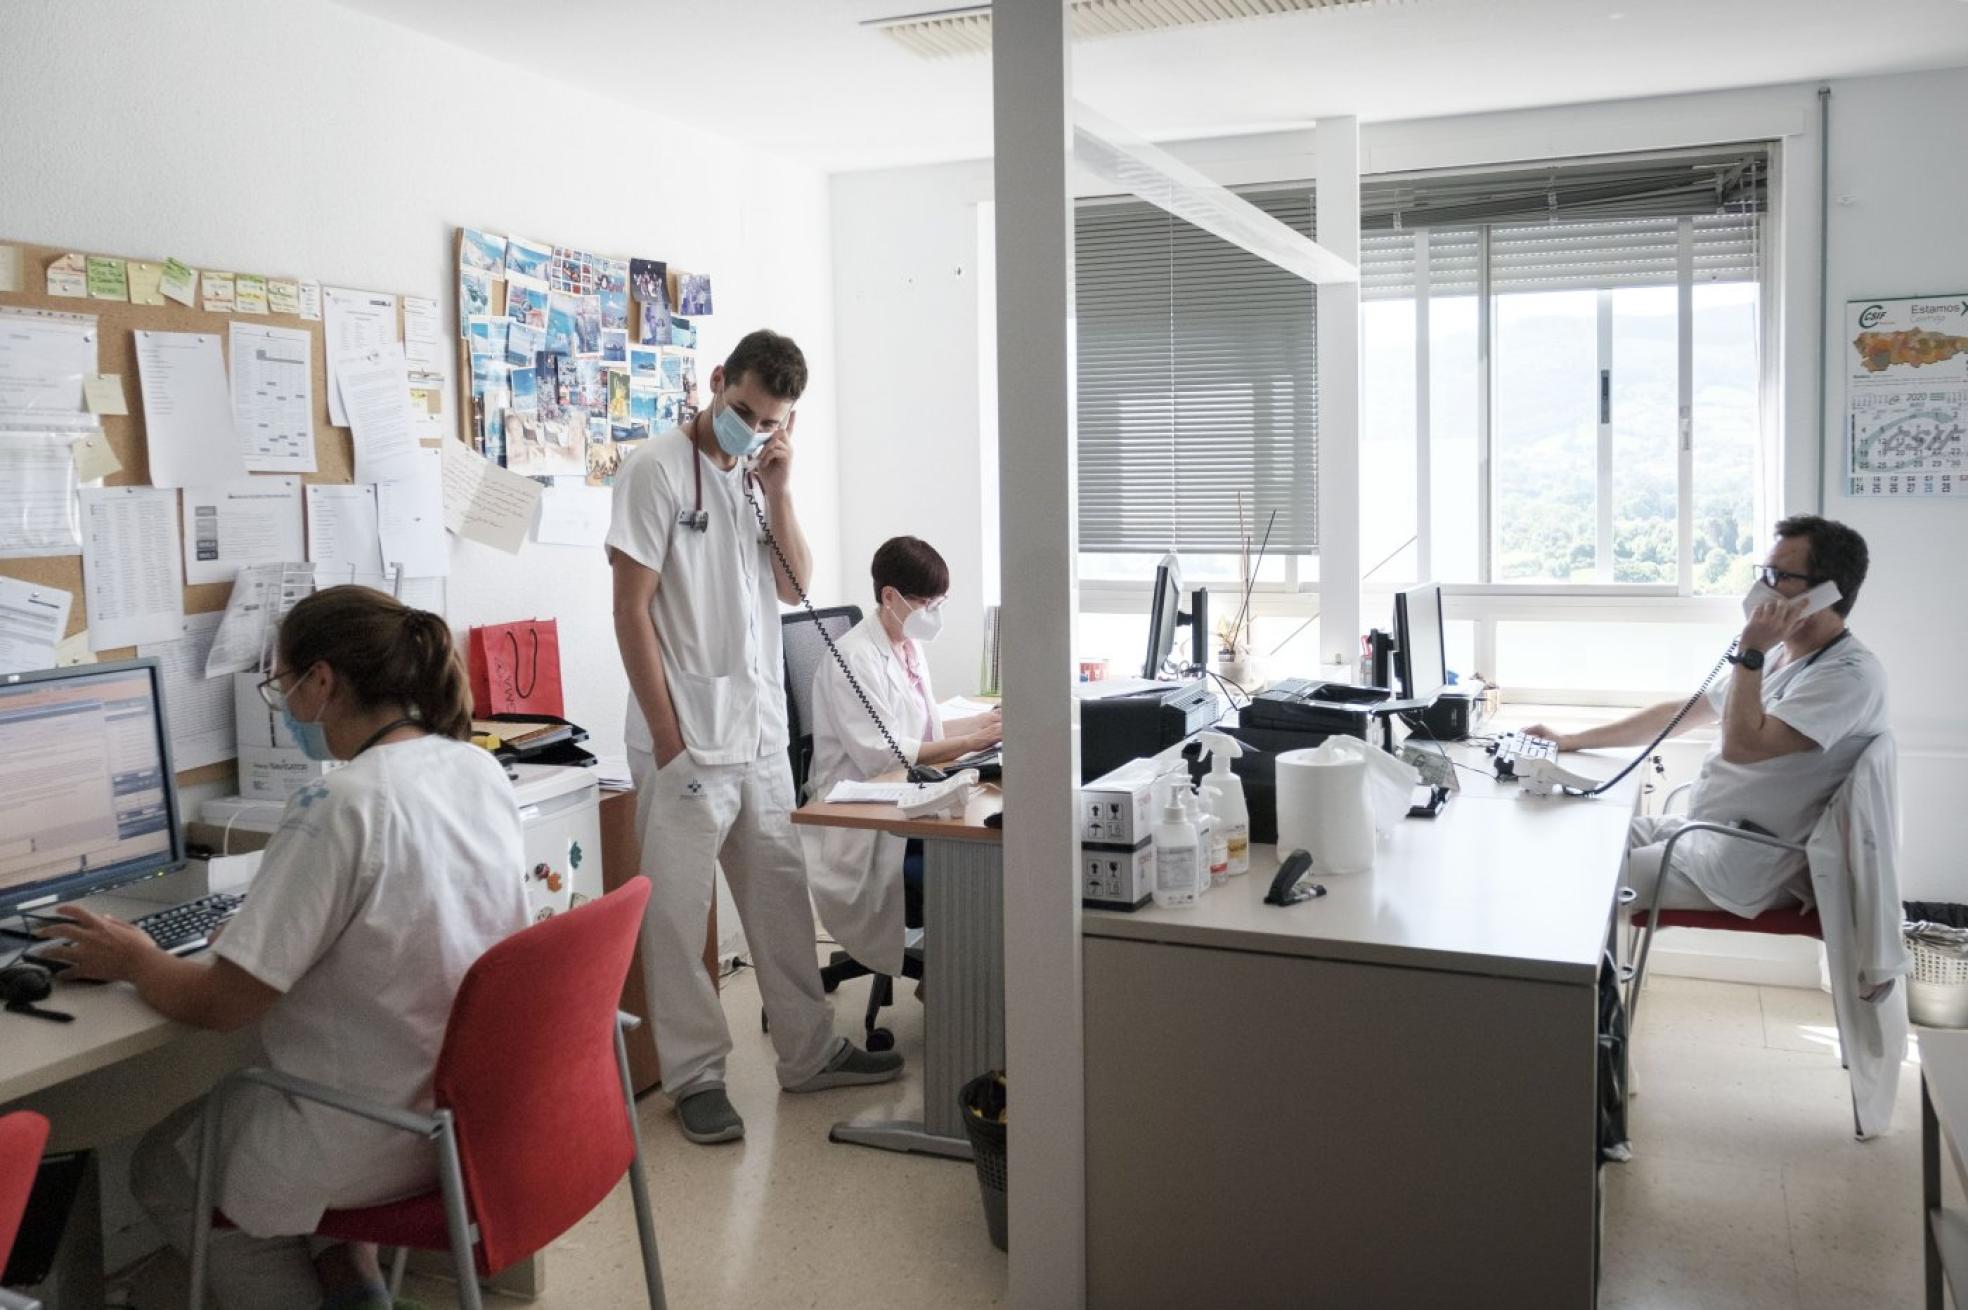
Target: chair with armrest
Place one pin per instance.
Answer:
(806, 654)
(1871, 1110)
(534, 1038)
(23, 1136)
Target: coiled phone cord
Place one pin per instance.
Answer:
(1673, 723)
(915, 774)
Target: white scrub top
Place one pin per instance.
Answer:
(1837, 700)
(856, 875)
(716, 606)
(385, 881)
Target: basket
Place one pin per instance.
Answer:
(982, 1100)
(1937, 990)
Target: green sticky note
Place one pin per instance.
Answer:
(180, 281)
(108, 279)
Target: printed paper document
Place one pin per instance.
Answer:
(410, 519)
(200, 707)
(32, 620)
(252, 521)
(375, 390)
(341, 527)
(44, 357)
(355, 322)
(484, 502)
(131, 570)
(273, 397)
(187, 411)
(37, 494)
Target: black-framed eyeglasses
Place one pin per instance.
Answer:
(1770, 576)
(271, 694)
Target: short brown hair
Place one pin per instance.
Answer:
(1837, 553)
(911, 566)
(386, 652)
(773, 359)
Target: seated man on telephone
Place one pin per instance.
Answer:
(868, 885)
(1802, 699)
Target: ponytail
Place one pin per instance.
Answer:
(385, 652)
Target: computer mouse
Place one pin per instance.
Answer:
(24, 982)
(927, 773)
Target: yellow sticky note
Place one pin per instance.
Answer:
(103, 394)
(108, 279)
(68, 276)
(71, 651)
(283, 295)
(146, 282)
(93, 457)
(180, 281)
(218, 292)
(10, 268)
(250, 293)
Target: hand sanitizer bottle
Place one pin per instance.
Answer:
(1175, 852)
(1225, 791)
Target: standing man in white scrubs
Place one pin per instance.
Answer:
(868, 885)
(697, 586)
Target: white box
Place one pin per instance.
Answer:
(1119, 809)
(258, 725)
(269, 774)
(1117, 880)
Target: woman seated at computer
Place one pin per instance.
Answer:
(386, 880)
(868, 886)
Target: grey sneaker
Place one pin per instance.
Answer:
(853, 1067)
(708, 1116)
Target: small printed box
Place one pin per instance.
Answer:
(1117, 880)
(270, 774)
(1119, 809)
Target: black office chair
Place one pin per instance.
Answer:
(806, 653)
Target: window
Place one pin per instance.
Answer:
(1589, 331)
(1197, 380)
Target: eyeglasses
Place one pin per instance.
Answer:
(270, 693)
(1770, 575)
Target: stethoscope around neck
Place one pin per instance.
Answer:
(697, 518)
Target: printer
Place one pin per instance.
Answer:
(1116, 729)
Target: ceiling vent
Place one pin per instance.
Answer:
(967, 30)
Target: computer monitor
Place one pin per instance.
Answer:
(1420, 664)
(1164, 612)
(87, 797)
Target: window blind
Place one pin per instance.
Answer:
(1564, 256)
(1718, 180)
(1197, 379)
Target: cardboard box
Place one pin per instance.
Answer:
(1118, 809)
(1117, 880)
(270, 774)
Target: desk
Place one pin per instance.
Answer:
(963, 964)
(1387, 1096)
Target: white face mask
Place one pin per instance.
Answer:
(923, 624)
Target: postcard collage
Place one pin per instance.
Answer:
(576, 358)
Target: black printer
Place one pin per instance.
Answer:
(1116, 729)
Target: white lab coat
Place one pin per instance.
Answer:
(1853, 854)
(856, 875)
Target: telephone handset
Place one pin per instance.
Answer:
(917, 773)
(1822, 596)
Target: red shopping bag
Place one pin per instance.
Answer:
(515, 669)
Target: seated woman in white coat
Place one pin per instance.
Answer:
(867, 885)
(386, 879)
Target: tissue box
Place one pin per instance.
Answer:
(268, 773)
(258, 726)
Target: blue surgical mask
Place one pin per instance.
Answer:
(734, 436)
(312, 738)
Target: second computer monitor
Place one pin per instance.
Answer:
(1420, 665)
(1164, 613)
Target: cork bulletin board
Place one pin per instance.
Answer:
(116, 352)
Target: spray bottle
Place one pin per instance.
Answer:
(1175, 851)
(1206, 839)
(1225, 791)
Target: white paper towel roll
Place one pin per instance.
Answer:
(1323, 810)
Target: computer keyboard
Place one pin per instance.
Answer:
(182, 929)
(1511, 747)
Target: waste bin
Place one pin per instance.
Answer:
(983, 1100)
(1937, 939)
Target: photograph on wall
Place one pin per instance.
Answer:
(490, 374)
(614, 346)
(483, 251)
(523, 341)
(683, 333)
(690, 293)
(587, 325)
(525, 389)
(527, 300)
(474, 293)
(561, 308)
(527, 258)
(605, 460)
(673, 366)
(590, 385)
(540, 446)
(618, 395)
(649, 282)
(487, 335)
(643, 405)
(615, 295)
(1906, 396)
(645, 364)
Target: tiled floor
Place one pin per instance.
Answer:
(1745, 1190)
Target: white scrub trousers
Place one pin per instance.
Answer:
(1646, 843)
(692, 818)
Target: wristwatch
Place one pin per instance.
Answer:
(1751, 659)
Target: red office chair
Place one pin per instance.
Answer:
(23, 1135)
(534, 1038)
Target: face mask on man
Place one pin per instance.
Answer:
(735, 436)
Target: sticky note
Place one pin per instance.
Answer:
(108, 279)
(146, 282)
(310, 299)
(68, 276)
(283, 295)
(180, 281)
(218, 292)
(103, 393)
(93, 457)
(10, 268)
(250, 293)
(73, 650)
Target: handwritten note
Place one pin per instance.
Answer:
(218, 293)
(483, 502)
(283, 295)
(68, 275)
(108, 279)
(249, 293)
(180, 281)
(146, 282)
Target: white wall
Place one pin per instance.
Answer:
(906, 369)
(305, 138)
